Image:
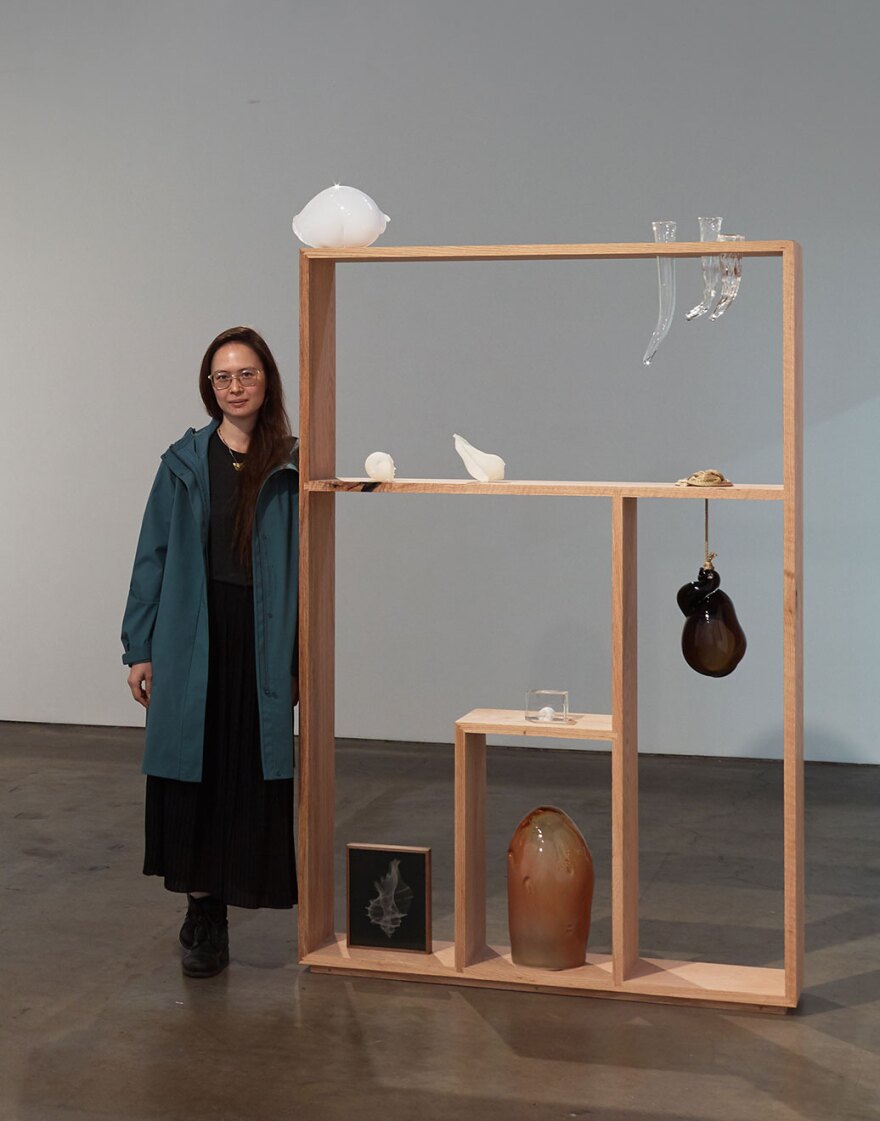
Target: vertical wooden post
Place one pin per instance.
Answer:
(625, 746)
(470, 847)
(793, 672)
(317, 603)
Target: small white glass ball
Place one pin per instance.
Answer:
(380, 466)
(546, 713)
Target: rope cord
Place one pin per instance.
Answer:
(709, 556)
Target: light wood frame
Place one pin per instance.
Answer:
(469, 961)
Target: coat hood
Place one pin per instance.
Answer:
(191, 450)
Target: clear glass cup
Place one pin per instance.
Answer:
(547, 706)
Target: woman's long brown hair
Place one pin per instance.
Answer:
(271, 442)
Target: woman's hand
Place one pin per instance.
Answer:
(140, 681)
(294, 690)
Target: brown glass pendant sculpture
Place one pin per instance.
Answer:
(550, 882)
(712, 641)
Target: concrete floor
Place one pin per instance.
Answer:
(98, 1022)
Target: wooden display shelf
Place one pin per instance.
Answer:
(654, 979)
(748, 491)
(625, 974)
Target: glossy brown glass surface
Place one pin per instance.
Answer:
(550, 882)
(712, 641)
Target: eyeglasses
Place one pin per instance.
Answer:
(247, 378)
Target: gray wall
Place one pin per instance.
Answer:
(153, 155)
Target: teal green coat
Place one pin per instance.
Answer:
(166, 617)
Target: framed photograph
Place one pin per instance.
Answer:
(388, 891)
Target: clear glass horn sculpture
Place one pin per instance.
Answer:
(710, 228)
(731, 275)
(663, 232)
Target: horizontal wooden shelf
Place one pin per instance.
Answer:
(749, 491)
(667, 982)
(602, 251)
(504, 722)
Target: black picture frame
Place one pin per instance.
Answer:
(388, 897)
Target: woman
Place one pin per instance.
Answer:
(210, 638)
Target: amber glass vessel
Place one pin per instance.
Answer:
(712, 640)
(550, 882)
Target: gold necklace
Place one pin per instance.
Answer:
(236, 463)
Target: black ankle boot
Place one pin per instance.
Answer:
(188, 930)
(209, 954)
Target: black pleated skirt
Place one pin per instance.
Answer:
(232, 833)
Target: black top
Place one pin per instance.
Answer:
(224, 561)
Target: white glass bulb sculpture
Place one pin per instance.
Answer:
(483, 466)
(340, 218)
(380, 466)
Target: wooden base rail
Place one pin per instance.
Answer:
(657, 980)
